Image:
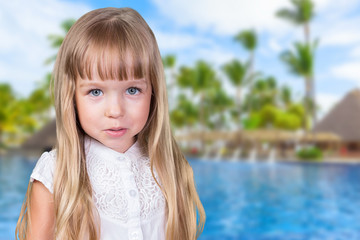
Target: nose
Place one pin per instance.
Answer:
(114, 108)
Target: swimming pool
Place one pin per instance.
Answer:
(247, 201)
(263, 201)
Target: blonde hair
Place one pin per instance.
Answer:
(114, 44)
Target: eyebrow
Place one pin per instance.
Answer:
(86, 82)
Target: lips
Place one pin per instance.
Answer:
(116, 132)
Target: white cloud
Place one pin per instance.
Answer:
(176, 41)
(224, 17)
(355, 52)
(334, 9)
(275, 46)
(349, 71)
(215, 55)
(336, 24)
(333, 23)
(342, 32)
(24, 27)
(227, 17)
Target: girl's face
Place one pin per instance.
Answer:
(113, 111)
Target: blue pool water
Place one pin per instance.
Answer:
(260, 201)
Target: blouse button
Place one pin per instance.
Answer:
(132, 193)
(134, 236)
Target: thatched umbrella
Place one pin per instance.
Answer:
(207, 136)
(42, 140)
(267, 135)
(327, 137)
(344, 118)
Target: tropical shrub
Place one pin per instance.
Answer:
(310, 153)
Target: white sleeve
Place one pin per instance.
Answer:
(44, 170)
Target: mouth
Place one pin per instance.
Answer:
(116, 132)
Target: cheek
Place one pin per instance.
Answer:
(84, 113)
(142, 113)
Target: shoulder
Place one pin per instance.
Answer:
(42, 216)
(44, 170)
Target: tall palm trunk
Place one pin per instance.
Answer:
(307, 32)
(251, 73)
(311, 94)
(238, 96)
(307, 107)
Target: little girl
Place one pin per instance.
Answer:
(116, 172)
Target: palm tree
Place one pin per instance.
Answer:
(56, 40)
(185, 114)
(264, 92)
(7, 97)
(285, 96)
(199, 79)
(301, 14)
(301, 63)
(248, 40)
(169, 62)
(237, 74)
(217, 102)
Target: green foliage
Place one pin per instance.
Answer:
(187, 77)
(6, 99)
(204, 86)
(185, 114)
(236, 71)
(285, 96)
(252, 122)
(300, 61)
(169, 61)
(268, 114)
(296, 109)
(18, 116)
(287, 121)
(216, 102)
(200, 80)
(310, 153)
(56, 40)
(271, 116)
(218, 99)
(248, 39)
(302, 12)
(264, 92)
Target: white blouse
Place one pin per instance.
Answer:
(129, 202)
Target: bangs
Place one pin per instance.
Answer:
(110, 51)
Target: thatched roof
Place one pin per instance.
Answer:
(344, 118)
(207, 136)
(268, 135)
(328, 137)
(258, 135)
(42, 140)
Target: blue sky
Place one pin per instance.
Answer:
(193, 30)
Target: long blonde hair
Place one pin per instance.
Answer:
(101, 42)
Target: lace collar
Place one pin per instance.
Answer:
(93, 146)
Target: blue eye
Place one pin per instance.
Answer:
(96, 92)
(133, 90)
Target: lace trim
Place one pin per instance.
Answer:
(110, 192)
(151, 197)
